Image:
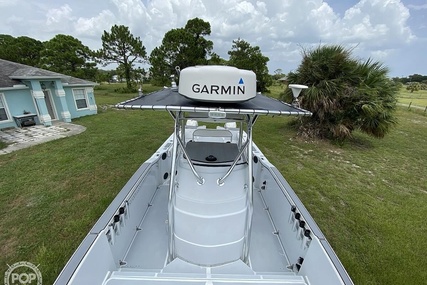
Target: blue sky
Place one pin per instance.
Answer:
(390, 31)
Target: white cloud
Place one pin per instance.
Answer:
(59, 15)
(6, 3)
(95, 26)
(380, 55)
(14, 20)
(418, 7)
(131, 10)
(279, 27)
(377, 23)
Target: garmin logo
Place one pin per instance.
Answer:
(220, 89)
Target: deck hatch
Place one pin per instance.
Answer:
(223, 152)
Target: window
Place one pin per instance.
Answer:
(80, 98)
(3, 112)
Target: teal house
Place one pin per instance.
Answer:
(30, 95)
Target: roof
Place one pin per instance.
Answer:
(170, 100)
(11, 73)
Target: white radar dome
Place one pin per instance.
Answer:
(215, 83)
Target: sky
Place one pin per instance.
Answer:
(393, 32)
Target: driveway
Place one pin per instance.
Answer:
(20, 138)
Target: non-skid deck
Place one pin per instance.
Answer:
(148, 251)
(150, 246)
(203, 276)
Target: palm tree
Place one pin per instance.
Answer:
(344, 94)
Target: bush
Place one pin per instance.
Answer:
(123, 90)
(344, 94)
(413, 86)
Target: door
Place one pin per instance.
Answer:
(49, 104)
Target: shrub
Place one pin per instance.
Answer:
(344, 94)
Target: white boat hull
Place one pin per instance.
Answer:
(208, 207)
(137, 252)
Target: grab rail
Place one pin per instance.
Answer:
(199, 178)
(221, 180)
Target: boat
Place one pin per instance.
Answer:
(207, 207)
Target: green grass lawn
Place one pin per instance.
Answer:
(368, 196)
(106, 95)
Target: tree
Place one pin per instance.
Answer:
(121, 47)
(23, 49)
(244, 56)
(344, 94)
(215, 59)
(139, 74)
(412, 78)
(181, 47)
(103, 76)
(198, 47)
(6, 52)
(278, 73)
(67, 55)
(417, 78)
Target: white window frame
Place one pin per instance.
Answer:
(6, 109)
(85, 98)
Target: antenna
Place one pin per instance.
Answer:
(296, 90)
(173, 83)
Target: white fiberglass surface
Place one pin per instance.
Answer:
(149, 248)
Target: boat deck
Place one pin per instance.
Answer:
(146, 259)
(209, 199)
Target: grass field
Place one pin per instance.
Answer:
(416, 98)
(368, 196)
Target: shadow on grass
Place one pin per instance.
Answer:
(358, 141)
(3, 144)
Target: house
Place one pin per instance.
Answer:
(283, 80)
(30, 95)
